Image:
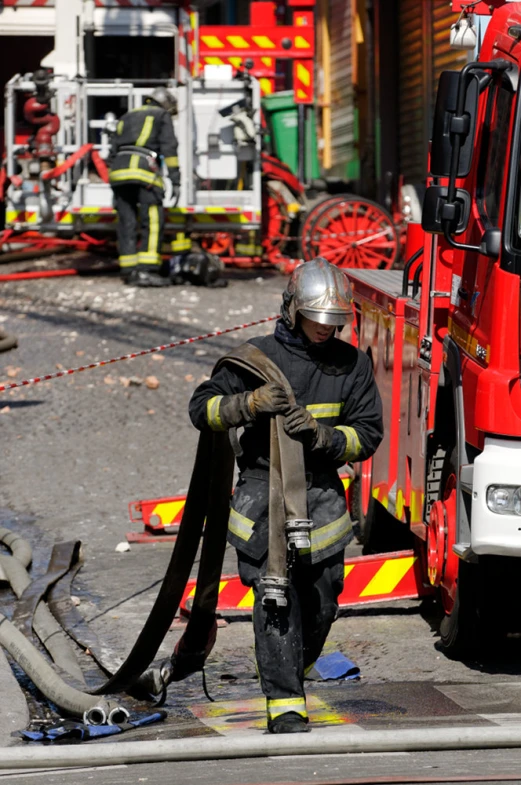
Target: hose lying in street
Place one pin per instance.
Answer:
(48, 630)
(31, 661)
(41, 673)
(323, 742)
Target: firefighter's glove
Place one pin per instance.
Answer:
(301, 425)
(271, 398)
(241, 408)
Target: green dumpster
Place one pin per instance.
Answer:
(281, 113)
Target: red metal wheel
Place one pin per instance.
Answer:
(276, 223)
(356, 233)
(218, 243)
(312, 215)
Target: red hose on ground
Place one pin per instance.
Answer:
(38, 274)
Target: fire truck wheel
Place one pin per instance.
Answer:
(353, 232)
(458, 581)
(459, 628)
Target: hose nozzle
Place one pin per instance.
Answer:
(275, 591)
(297, 533)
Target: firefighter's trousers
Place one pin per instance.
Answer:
(128, 198)
(289, 640)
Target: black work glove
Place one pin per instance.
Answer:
(241, 408)
(301, 425)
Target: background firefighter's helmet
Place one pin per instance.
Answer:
(163, 98)
(320, 292)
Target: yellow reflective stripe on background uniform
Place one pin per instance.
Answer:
(172, 161)
(153, 234)
(213, 415)
(119, 129)
(328, 535)
(325, 409)
(353, 446)
(120, 175)
(145, 132)
(278, 706)
(149, 258)
(128, 260)
(240, 525)
(134, 161)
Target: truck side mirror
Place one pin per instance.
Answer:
(491, 243)
(437, 211)
(446, 123)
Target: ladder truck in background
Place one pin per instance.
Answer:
(237, 200)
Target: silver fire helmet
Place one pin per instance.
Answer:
(319, 291)
(164, 98)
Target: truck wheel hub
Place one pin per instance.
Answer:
(436, 541)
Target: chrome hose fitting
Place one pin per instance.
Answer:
(275, 591)
(297, 533)
(96, 715)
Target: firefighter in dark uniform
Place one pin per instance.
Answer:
(143, 136)
(338, 419)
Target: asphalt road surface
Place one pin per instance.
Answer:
(77, 450)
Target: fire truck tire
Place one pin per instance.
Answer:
(459, 629)
(460, 624)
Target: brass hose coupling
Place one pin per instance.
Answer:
(297, 533)
(275, 591)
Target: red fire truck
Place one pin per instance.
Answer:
(444, 337)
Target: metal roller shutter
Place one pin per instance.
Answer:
(412, 145)
(443, 57)
(342, 99)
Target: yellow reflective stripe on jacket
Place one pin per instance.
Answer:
(213, 413)
(353, 446)
(134, 161)
(145, 132)
(328, 535)
(119, 129)
(240, 525)
(325, 409)
(276, 707)
(121, 175)
(172, 161)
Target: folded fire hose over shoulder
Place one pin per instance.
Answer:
(213, 471)
(205, 516)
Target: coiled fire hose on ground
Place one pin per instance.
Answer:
(92, 709)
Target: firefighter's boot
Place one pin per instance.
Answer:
(147, 278)
(289, 722)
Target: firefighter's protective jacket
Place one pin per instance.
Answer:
(335, 382)
(142, 136)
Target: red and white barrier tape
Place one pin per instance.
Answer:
(101, 363)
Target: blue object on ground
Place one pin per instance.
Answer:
(333, 666)
(69, 730)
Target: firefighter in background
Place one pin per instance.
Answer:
(143, 137)
(338, 419)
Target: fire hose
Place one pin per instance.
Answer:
(32, 662)
(321, 742)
